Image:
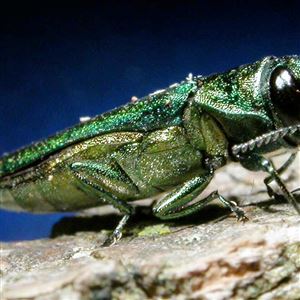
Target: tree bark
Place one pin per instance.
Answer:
(206, 256)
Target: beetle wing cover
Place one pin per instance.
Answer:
(151, 112)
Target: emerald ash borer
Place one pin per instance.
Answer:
(170, 141)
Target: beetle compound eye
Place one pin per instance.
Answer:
(285, 95)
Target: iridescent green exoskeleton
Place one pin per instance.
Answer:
(170, 141)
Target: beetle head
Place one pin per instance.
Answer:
(285, 92)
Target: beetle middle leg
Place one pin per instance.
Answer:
(176, 204)
(101, 178)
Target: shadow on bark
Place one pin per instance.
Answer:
(143, 217)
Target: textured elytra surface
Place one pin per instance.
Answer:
(207, 256)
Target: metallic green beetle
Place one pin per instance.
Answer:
(172, 140)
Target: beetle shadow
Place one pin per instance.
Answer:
(269, 205)
(143, 217)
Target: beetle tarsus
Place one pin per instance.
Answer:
(239, 212)
(117, 233)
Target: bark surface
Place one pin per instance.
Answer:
(206, 256)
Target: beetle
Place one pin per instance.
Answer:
(170, 141)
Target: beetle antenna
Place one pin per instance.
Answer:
(265, 139)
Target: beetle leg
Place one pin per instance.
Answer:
(268, 166)
(91, 173)
(281, 170)
(239, 213)
(256, 162)
(117, 233)
(175, 204)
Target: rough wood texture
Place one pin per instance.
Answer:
(207, 256)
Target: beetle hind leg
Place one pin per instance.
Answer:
(104, 177)
(176, 204)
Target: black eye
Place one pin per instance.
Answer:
(285, 95)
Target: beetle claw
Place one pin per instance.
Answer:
(112, 239)
(239, 212)
(241, 216)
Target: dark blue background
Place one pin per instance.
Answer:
(62, 61)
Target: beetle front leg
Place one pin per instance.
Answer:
(93, 174)
(255, 162)
(175, 204)
(268, 166)
(281, 170)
